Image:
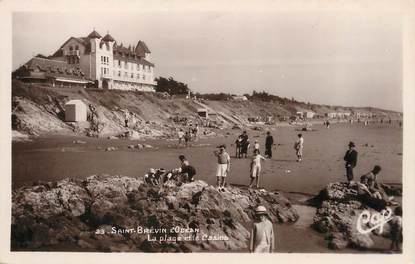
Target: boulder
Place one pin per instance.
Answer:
(338, 210)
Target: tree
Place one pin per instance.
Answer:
(171, 86)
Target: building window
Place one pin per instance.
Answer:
(70, 48)
(132, 75)
(119, 64)
(76, 47)
(119, 73)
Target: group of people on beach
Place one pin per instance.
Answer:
(262, 233)
(187, 135)
(184, 174)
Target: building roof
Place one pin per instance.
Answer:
(75, 102)
(120, 52)
(128, 54)
(108, 37)
(141, 49)
(53, 68)
(82, 40)
(94, 34)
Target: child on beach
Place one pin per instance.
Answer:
(298, 146)
(187, 138)
(256, 146)
(262, 233)
(255, 168)
(180, 135)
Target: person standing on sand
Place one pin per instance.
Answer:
(244, 144)
(223, 168)
(298, 146)
(196, 132)
(351, 160)
(269, 141)
(180, 135)
(187, 138)
(238, 143)
(255, 168)
(256, 147)
(262, 233)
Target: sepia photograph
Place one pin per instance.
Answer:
(251, 130)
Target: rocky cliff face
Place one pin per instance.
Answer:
(39, 109)
(117, 213)
(338, 209)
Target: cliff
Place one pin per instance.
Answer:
(39, 109)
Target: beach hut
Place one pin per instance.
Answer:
(75, 111)
(203, 112)
(309, 114)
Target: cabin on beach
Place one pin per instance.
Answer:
(305, 114)
(75, 111)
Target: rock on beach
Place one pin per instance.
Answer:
(95, 214)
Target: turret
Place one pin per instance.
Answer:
(142, 50)
(94, 38)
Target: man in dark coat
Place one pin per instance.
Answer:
(269, 141)
(244, 144)
(351, 160)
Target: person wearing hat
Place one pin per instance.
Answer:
(262, 233)
(224, 166)
(351, 160)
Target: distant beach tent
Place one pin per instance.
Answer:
(75, 111)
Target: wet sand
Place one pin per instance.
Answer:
(56, 157)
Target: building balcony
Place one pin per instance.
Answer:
(72, 53)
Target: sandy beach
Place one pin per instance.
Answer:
(57, 157)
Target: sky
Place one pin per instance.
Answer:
(338, 58)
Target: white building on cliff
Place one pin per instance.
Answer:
(109, 64)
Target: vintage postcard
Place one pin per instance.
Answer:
(179, 127)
